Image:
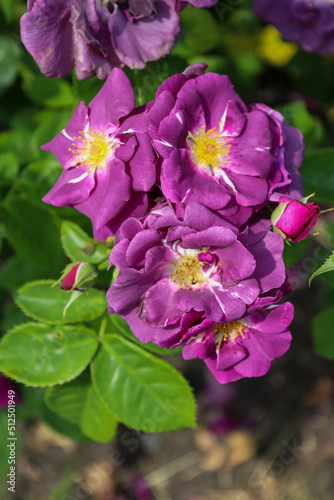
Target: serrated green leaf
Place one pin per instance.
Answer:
(33, 234)
(323, 333)
(78, 403)
(41, 355)
(318, 174)
(78, 246)
(327, 266)
(141, 390)
(122, 327)
(43, 303)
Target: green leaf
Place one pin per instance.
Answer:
(37, 179)
(9, 168)
(297, 115)
(86, 90)
(121, 326)
(9, 59)
(141, 390)
(78, 403)
(199, 34)
(50, 124)
(146, 81)
(43, 303)
(42, 355)
(14, 272)
(61, 425)
(79, 246)
(318, 174)
(327, 266)
(51, 92)
(12, 316)
(295, 252)
(323, 336)
(33, 234)
(19, 142)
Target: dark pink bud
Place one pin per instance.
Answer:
(81, 277)
(70, 278)
(294, 219)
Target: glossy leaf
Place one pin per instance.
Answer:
(42, 355)
(79, 246)
(78, 403)
(141, 390)
(43, 303)
(33, 234)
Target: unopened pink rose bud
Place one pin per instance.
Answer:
(293, 219)
(81, 277)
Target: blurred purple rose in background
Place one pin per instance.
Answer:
(95, 36)
(307, 22)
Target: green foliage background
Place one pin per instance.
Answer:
(88, 367)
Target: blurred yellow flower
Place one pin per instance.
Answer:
(273, 49)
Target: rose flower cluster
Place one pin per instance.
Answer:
(187, 184)
(94, 36)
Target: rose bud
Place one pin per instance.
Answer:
(80, 277)
(294, 219)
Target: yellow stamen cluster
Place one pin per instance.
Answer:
(230, 331)
(210, 149)
(94, 149)
(188, 272)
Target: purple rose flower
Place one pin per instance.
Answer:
(294, 219)
(96, 35)
(307, 22)
(171, 274)
(217, 151)
(108, 168)
(242, 348)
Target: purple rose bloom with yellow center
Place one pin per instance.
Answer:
(310, 23)
(242, 348)
(169, 272)
(219, 152)
(108, 168)
(95, 36)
